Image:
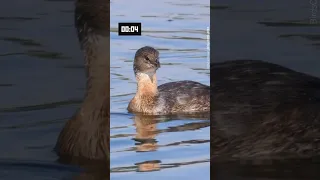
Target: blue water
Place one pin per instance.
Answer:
(159, 147)
(42, 82)
(39, 88)
(238, 34)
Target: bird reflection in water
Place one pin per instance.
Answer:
(147, 131)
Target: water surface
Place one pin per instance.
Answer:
(159, 147)
(41, 85)
(42, 81)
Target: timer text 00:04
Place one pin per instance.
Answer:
(129, 29)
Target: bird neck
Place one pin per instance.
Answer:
(146, 86)
(97, 64)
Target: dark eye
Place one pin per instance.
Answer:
(147, 58)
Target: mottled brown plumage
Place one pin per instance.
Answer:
(263, 111)
(169, 98)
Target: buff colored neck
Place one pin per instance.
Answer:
(97, 70)
(146, 86)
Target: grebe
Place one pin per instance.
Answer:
(86, 135)
(169, 98)
(263, 110)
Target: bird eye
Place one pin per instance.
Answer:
(147, 58)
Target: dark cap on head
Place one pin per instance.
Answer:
(146, 60)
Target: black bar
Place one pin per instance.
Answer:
(129, 29)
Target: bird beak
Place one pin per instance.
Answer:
(157, 63)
